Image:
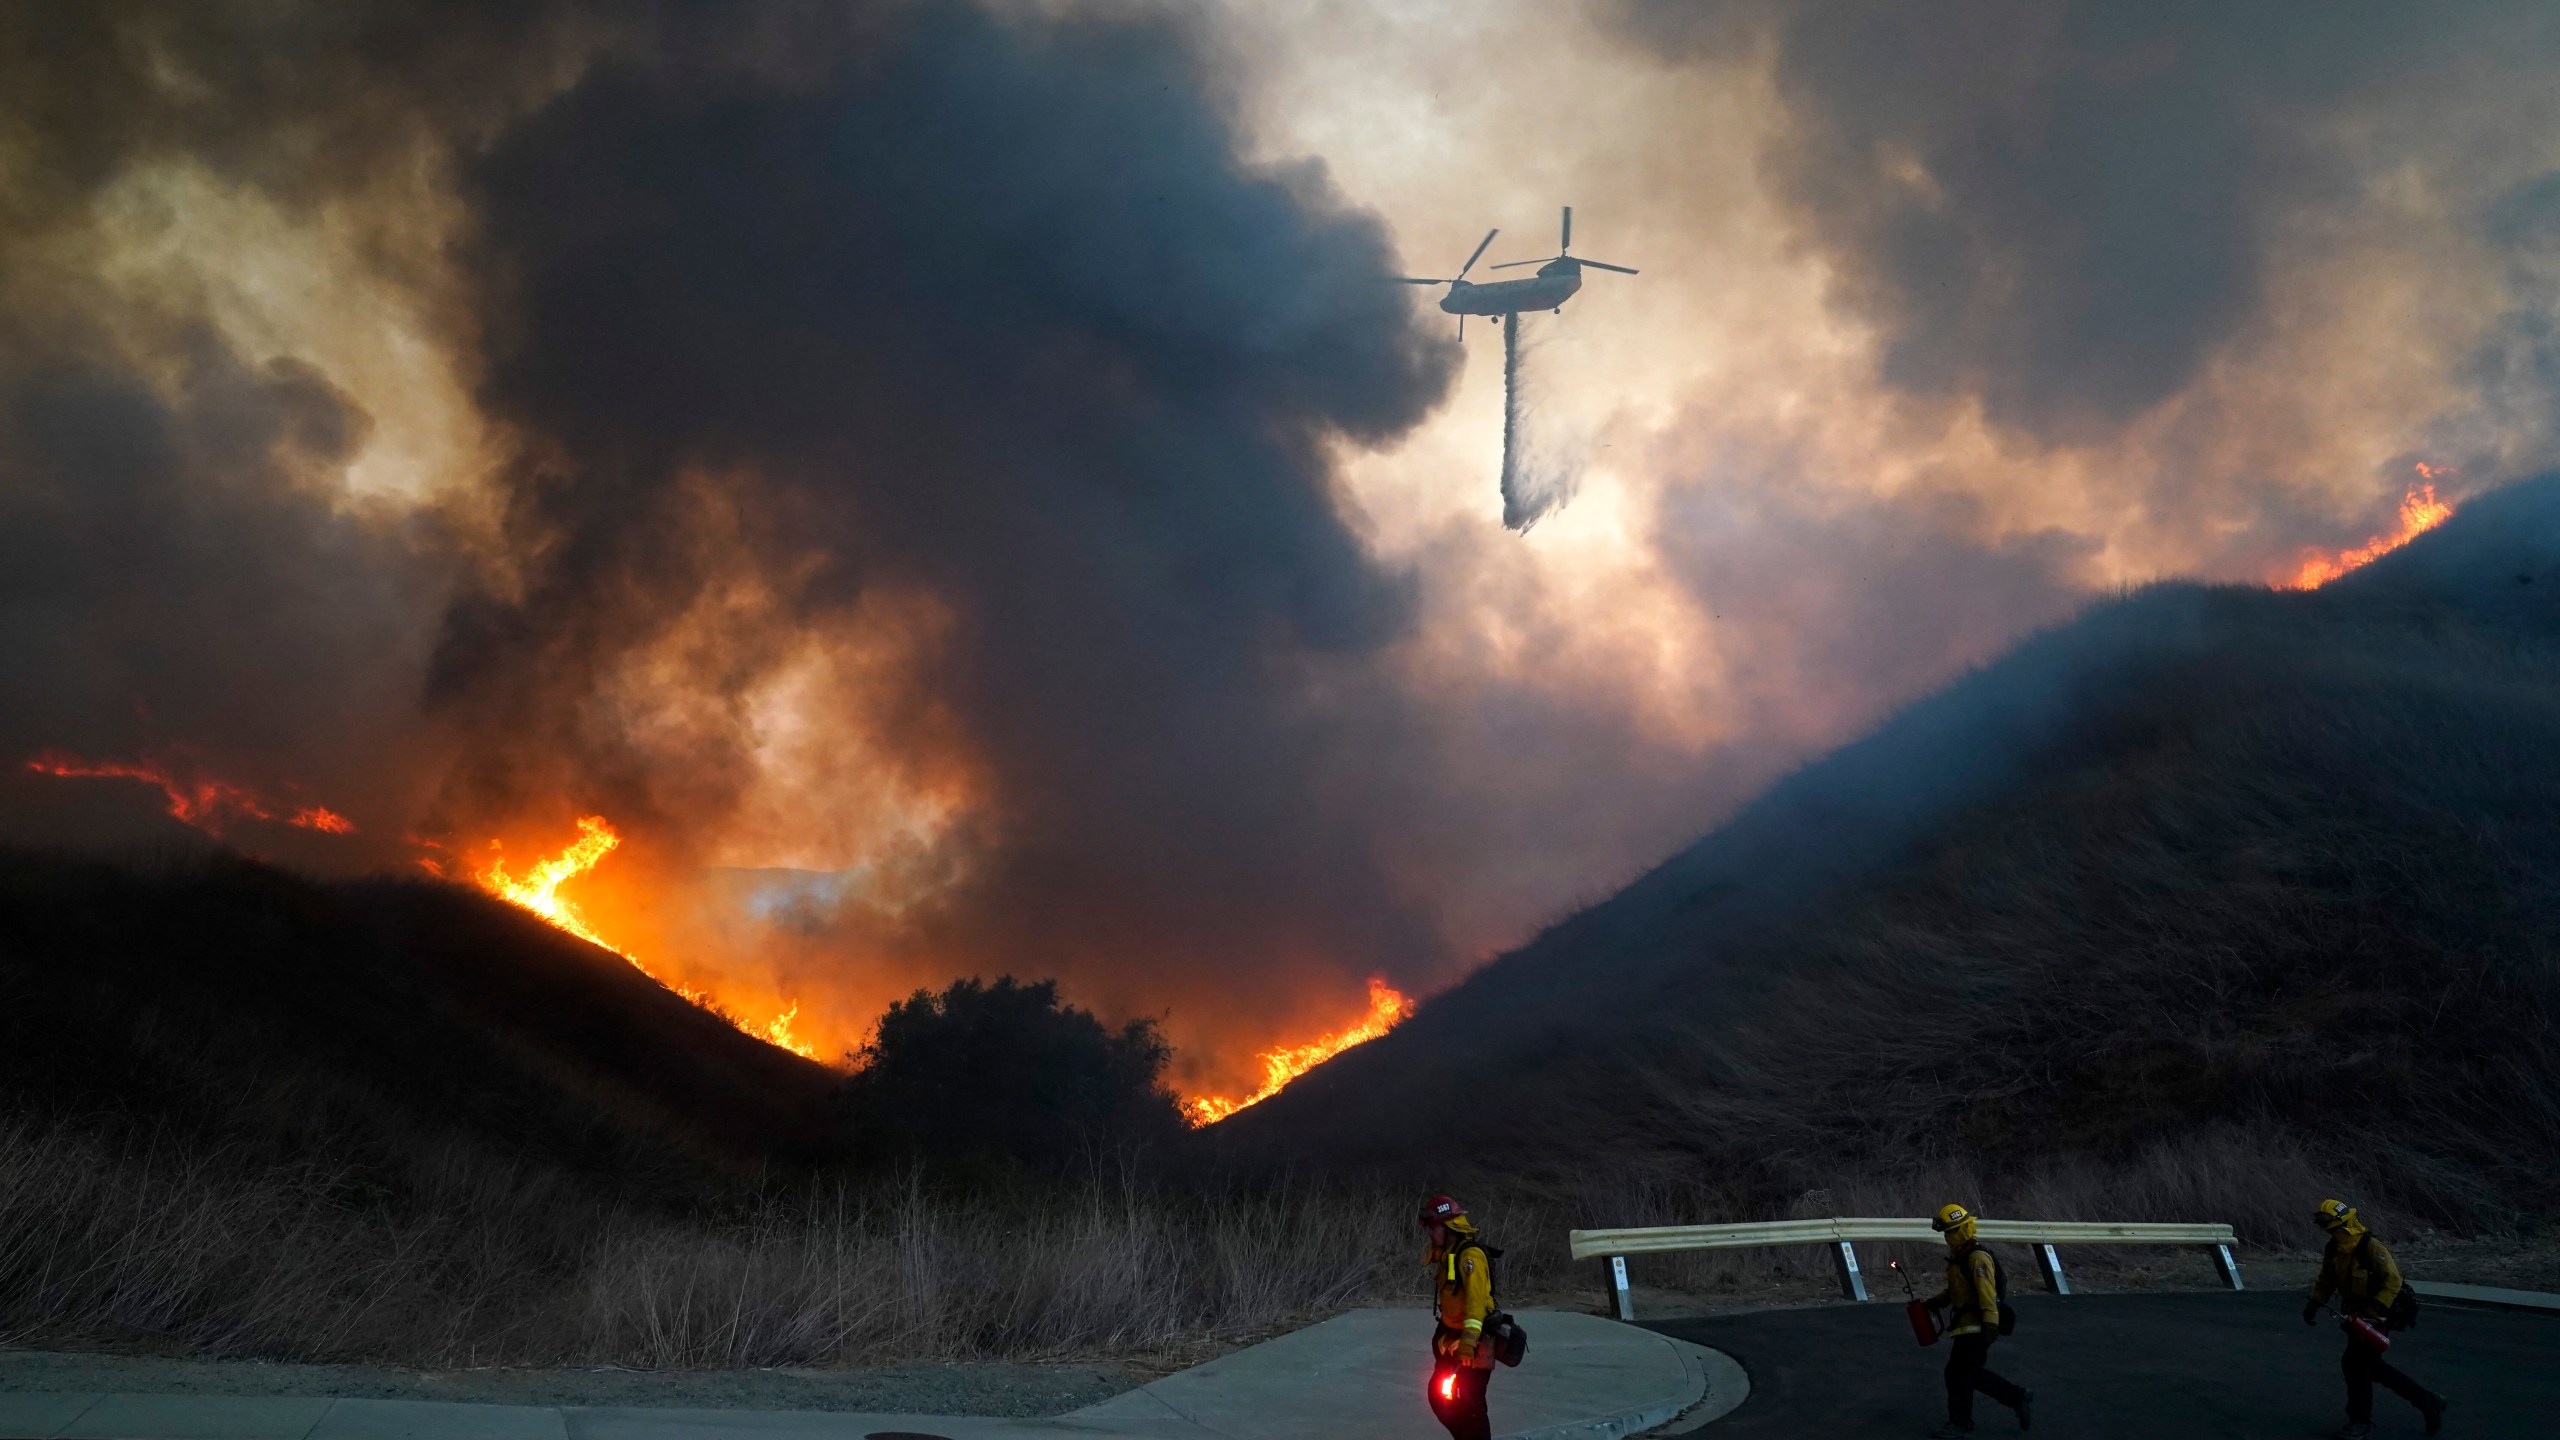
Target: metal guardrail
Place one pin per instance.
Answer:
(1842, 1234)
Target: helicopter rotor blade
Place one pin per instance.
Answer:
(1516, 264)
(1603, 265)
(1568, 230)
(1480, 249)
(1415, 280)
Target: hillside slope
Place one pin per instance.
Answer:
(371, 1026)
(2209, 895)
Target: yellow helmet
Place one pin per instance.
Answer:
(1954, 1222)
(2334, 1215)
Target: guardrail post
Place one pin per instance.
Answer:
(1622, 1297)
(1852, 1284)
(2049, 1265)
(2228, 1265)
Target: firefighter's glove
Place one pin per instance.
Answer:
(1467, 1350)
(2310, 1312)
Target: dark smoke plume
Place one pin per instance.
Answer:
(991, 311)
(794, 316)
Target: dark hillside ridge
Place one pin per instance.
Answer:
(220, 1005)
(2208, 866)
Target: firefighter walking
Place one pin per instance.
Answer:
(1462, 1356)
(2358, 1272)
(1974, 1317)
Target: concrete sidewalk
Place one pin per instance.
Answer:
(1355, 1377)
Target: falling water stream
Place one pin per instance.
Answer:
(1517, 513)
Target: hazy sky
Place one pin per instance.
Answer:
(973, 451)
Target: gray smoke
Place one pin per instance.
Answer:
(2064, 209)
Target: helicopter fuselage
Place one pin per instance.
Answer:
(1555, 283)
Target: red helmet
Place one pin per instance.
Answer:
(1441, 1208)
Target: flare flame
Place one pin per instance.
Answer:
(1387, 1007)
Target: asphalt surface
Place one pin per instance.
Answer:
(970, 1389)
(1358, 1376)
(2103, 1366)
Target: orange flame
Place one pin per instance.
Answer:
(197, 800)
(1387, 1007)
(2420, 512)
(538, 890)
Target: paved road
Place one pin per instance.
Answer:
(1355, 1377)
(2107, 1366)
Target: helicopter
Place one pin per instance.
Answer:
(1556, 282)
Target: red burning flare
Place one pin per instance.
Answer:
(195, 799)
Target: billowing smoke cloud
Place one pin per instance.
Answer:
(958, 504)
(2065, 210)
(917, 429)
(180, 577)
(990, 312)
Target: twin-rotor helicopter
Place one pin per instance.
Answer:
(1557, 280)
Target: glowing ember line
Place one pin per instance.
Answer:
(538, 890)
(196, 800)
(1387, 1007)
(2420, 512)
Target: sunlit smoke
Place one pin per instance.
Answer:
(2420, 512)
(1387, 1007)
(197, 800)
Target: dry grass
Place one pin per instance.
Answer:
(196, 1253)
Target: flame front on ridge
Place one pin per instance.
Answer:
(194, 799)
(2420, 512)
(538, 890)
(1387, 1007)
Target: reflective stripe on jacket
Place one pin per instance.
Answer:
(1463, 1276)
(2364, 1278)
(1973, 1292)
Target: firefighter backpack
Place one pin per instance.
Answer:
(1510, 1342)
(2000, 1292)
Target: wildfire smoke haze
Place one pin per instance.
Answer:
(949, 481)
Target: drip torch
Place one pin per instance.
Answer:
(2363, 1333)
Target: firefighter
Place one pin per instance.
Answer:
(1462, 1358)
(1973, 1319)
(2358, 1270)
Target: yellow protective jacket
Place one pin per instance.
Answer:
(1463, 1275)
(2359, 1270)
(1972, 1293)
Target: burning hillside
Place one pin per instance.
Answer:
(538, 889)
(2420, 512)
(1387, 1006)
(195, 799)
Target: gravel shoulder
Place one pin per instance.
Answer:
(974, 1389)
